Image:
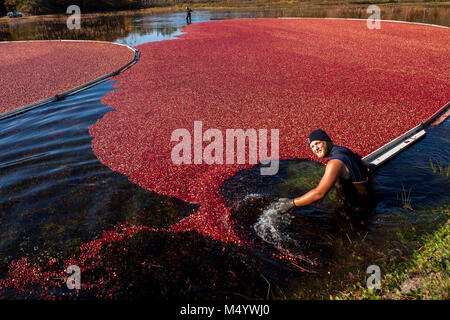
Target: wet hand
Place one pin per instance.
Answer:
(284, 204)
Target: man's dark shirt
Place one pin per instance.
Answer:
(355, 193)
(357, 170)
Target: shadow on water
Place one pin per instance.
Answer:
(54, 185)
(56, 195)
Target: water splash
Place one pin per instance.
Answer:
(252, 196)
(271, 227)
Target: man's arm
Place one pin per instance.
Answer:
(332, 173)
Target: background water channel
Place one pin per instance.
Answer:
(56, 195)
(137, 27)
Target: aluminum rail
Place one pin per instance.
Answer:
(394, 147)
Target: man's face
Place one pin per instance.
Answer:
(319, 148)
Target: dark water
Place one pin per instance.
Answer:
(55, 195)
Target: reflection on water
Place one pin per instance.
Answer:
(135, 29)
(55, 193)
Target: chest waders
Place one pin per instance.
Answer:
(357, 197)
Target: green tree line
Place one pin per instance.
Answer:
(60, 6)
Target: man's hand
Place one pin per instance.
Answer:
(284, 204)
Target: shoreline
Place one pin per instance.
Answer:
(423, 275)
(222, 6)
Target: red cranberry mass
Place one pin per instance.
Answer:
(363, 86)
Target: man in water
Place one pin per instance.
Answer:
(188, 15)
(346, 171)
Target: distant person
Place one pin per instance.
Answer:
(346, 171)
(188, 15)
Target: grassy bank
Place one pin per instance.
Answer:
(425, 275)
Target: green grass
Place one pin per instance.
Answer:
(439, 169)
(405, 198)
(425, 275)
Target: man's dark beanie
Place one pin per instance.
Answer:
(318, 134)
